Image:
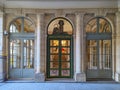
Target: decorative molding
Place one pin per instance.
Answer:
(60, 4)
(87, 17)
(61, 0)
(61, 11)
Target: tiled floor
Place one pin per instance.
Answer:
(59, 86)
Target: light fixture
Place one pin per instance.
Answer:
(5, 32)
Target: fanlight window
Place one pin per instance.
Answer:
(60, 26)
(22, 24)
(13, 28)
(98, 25)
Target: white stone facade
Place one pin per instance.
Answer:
(79, 19)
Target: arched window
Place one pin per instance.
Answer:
(99, 48)
(21, 48)
(59, 48)
(22, 24)
(98, 25)
(60, 26)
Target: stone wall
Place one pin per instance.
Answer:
(70, 14)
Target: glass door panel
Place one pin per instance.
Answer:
(54, 42)
(65, 65)
(65, 57)
(105, 54)
(59, 58)
(21, 58)
(54, 65)
(65, 42)
(28, 53)
(15, 54)
(54, 73)
(54, 50)
(54, 57)
(92, 54)
(99, 59)
(65, 72)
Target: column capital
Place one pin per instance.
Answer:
(118, 13)
(79, 17)
(1, 14)
(79, 13)
(79, 21)
(40, 14)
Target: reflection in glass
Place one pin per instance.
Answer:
(54, 42)
(92, 54)
(21, 51)
(92, 26)
(22, 24)
(103, 51)
(105, 54)
(28, 53)
(54, 50)
(28, 26)
(65, 65)
(98, 25)
(104, 26)
(65, 72)
(54, 64)
(54, 72)
(65, 50)
(65, 42)
(13, 29)
(54, 57)
(59, 57)
(15, 55)
(65, 57)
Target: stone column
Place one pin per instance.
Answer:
(2, 50)
(39, 76)
(117, 73)
(79, 75)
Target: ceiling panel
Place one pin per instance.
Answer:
(61, 0)
(57, 4)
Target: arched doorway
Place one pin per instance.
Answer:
(21, 48)
(99, 48)
(60, 49)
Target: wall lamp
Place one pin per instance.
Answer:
(5, 32)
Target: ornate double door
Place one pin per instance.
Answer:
(59, 60)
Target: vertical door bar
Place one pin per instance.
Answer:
(22, 25)
(60, 57)
(22, 57)
(98, 54)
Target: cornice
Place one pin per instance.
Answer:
(97, 11)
